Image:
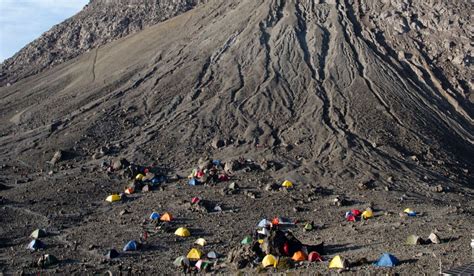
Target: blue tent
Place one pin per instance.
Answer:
(131, 246)
(35, 245)
(264, 223)
(387, 260)
(158, 180)
(193, 182)
(112, 254)
(155, 216)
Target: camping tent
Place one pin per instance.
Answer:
(387, 260)
(130, 246)
(154, 216)
(38, 233)
(264, 223)
(367, 214)
(413, 240)
(337, 262)
(269, 260)
(314, 256)
(246, 240)
(166, 217)
(113, 198)
(287, 184)
(36, 245)
(299, 256)
(281, 221)
(409, 212)
(182, 232)
(202, 265)
(111, 254)
(194, 254)
(47, 260)
(193, 182)
(181, 261)
(263, 232)
(212, 255)
(201, 242)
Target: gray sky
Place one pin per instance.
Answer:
(22, 21)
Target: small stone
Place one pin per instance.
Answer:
(204, 163)
(251, 194)
(434, 238)
(97, 155)
(438, 189)
(298, 209)
(231, 166)
(271, 187)
(233, 186)
(363, 186)
(58, 155)
(218, 143)
(146, 189)
(120, 163)
(339, 201)
(124, 212)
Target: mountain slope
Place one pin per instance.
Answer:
(287, 74)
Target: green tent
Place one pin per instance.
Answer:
(246, 240)
(413, 240)
(181, 261)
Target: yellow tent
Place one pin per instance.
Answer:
(408, 210)
(182, 232)
(139, 177)
(287, 184)
(194, 254)
(337, 262)
(201, 242)
(269, 260)
(367, 214)
(113, 198)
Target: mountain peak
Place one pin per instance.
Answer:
(100, 22)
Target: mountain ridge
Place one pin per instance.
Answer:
(99, 23)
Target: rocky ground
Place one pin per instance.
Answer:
(317, 93)
(70, 204)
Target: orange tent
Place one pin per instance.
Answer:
(299, 256)
(166, 217)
